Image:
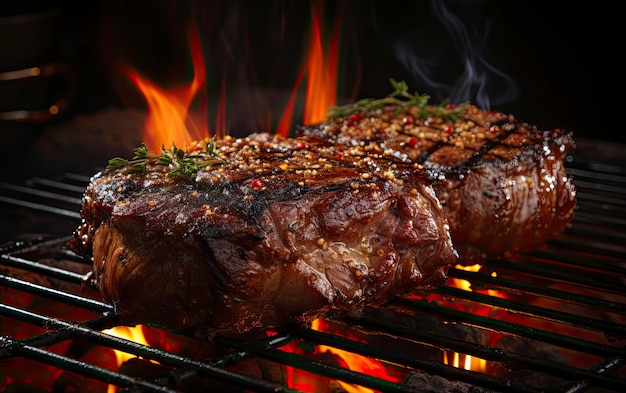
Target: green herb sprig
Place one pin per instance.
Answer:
(399, 100)
(183, 164)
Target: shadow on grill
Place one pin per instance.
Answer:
(554, 320)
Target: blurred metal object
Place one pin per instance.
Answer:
(38, 84)
(60, 100)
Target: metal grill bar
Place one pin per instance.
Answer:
(524, 287)
(61, 330)
(576, 343)
(40, 207)
(605, 367)
(69, 364)
(608, 265)
(334, 372)
(484, 352)
(50, 293)
(321, 338)
(40, 268)
(563, 274)
(62, 186)
(40, 193)
(535, 311)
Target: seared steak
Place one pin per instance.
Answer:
(270, 231)
(502, 182)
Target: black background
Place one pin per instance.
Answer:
(562, 59)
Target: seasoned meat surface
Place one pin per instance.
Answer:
(278, 231)
(502, 183)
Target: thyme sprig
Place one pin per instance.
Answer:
(183, 163)
(398, 101)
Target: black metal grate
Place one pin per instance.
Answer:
(552, 321)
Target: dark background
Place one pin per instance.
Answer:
(556, 64)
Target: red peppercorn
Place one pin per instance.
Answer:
(354, 118)
(413, 142)
(256, 184)
(451, 106)
(407, 120)
(301, 146)
(339, 155)
(448, 129)
(494, 129)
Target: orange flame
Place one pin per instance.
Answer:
(467, 362)
(321, 69)
(284, 125)
(346, 359)
(130, 333)
(322, 80)
(467, 286)
(460, 283)
(168, 119)
(461, 360)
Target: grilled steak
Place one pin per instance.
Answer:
(502, 182)
(269, 232)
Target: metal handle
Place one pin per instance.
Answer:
(57, 107)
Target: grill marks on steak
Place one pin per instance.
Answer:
(502, 183)
(284, 230)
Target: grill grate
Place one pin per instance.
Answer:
(552, 321)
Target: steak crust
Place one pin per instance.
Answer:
(502, 182)
(282, 231)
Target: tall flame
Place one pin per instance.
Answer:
(321, 70)
(168, 121)
(284, 125)
(322, 80)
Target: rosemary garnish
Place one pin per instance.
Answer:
(183, 163)
(398, 101)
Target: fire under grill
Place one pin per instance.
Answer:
(552, 321)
